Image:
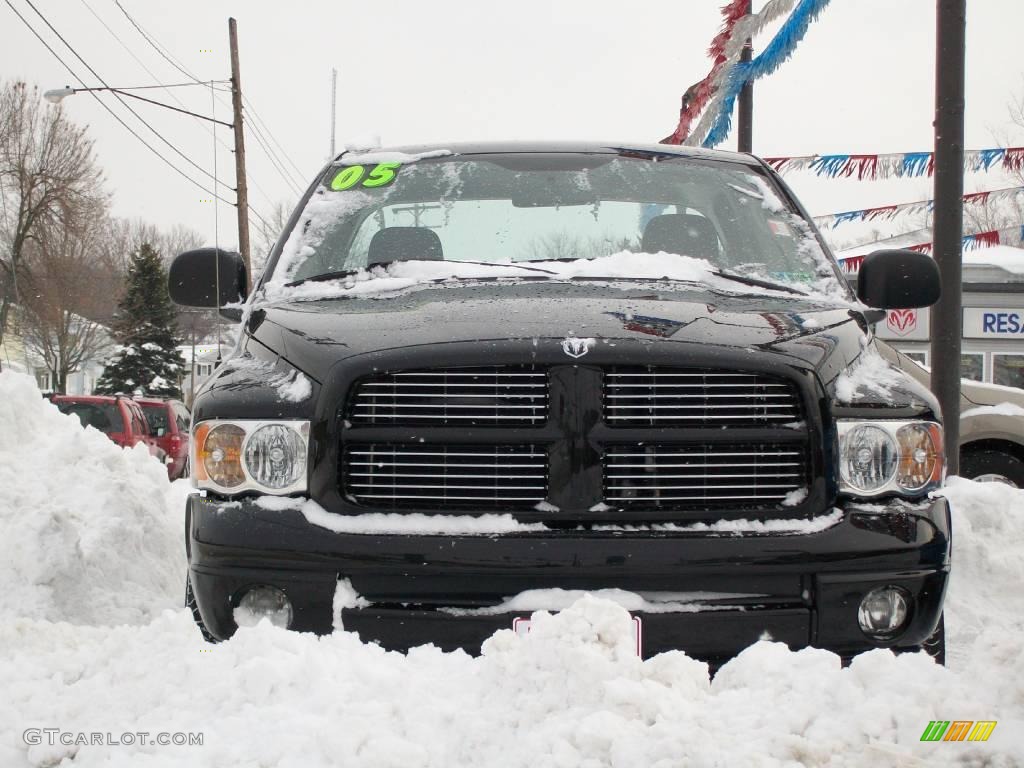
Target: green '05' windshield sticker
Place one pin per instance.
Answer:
(353, 176)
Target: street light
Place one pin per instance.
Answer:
(57, 95)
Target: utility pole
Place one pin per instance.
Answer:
(947, 234)
(745, 118)
(243, 187)
(334, 97)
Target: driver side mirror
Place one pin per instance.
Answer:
(195, 276)
(898, 279)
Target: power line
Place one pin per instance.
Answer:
(117, 117)
(172, 95)
(260, 120)
(170, 59)
(262, 143)
(96, 74)
(276, 161)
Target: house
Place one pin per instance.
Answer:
(16, 354)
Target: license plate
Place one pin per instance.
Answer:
(521, 626)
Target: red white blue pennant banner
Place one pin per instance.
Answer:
(708, 95)
(1008, 236)
(890, 212)
(896, 165)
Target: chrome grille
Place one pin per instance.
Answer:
(482, 477)
(703, 476)
(493, 396)
(660, 397)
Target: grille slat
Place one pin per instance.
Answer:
(750, 477)
(753, 469)
(491, 396)
(496, 477)
(684, 397)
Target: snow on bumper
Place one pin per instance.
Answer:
(807, 587)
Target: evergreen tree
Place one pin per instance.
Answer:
(146, 332)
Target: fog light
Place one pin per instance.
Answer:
(883, 612)
(264, 602)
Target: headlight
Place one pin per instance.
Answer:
(881, 457)
(235, 456)
(275, 456)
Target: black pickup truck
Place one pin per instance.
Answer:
(477, 380)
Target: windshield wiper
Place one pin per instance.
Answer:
(337, 274)
(756, 282)
(510, 264)
(349, 272)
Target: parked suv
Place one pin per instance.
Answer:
(169, 422)
(473, 380)
(119, 418)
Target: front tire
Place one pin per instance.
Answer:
(935, 646)
(991, 465)
(190, 603)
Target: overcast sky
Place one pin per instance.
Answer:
(451, 70)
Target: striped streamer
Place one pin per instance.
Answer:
(891, 212)
(897, 164)
(726, 48)
(1007, 236)
(774, 55)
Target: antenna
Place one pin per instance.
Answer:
(334, 98)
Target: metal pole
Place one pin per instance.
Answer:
(946, 315)
(334, 97)
(243, 187)
(192, 380)
(745, 117)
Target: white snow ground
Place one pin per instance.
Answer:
(92, 640)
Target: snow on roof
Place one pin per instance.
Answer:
(1007, 257)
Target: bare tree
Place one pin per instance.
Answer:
(47, 166)
(63, 289)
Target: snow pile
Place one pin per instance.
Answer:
(362, 157)
(564, 599)
(295, 389)
(984, 602)
(870, 374)
(90, 533)
(571, 692)
(81, 516)
(400, 523)
(999, 409)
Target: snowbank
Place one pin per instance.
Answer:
(570, 693)
(90, 533)
(984, 602)
(83, 517)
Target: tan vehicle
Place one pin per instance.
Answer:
(991, 425)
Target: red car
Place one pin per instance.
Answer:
(169, 421)
(119, 418)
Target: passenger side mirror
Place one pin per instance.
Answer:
(193, 278)
(898, 279)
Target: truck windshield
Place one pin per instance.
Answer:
(536, 207)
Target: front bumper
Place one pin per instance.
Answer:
(808, 586)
